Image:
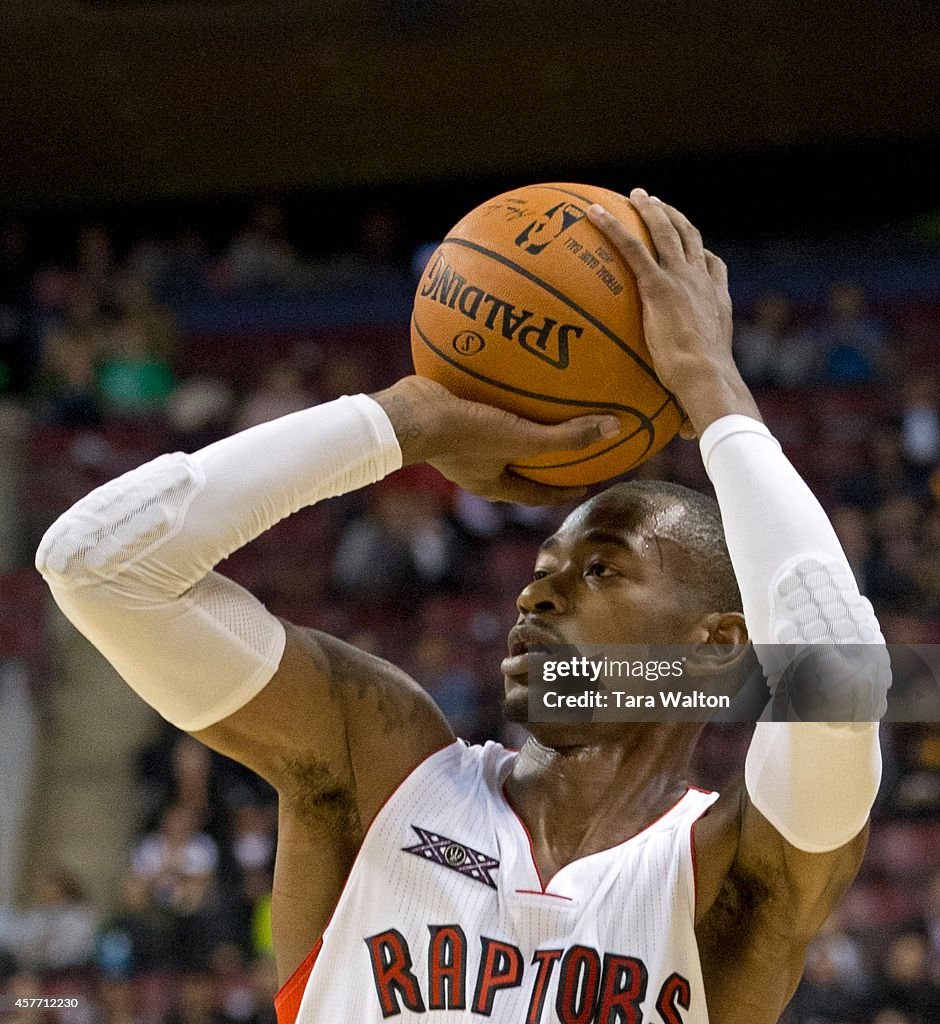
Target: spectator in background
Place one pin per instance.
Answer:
(199, 412)
(196, 1001)
(252, 912)
(380, 239)
(892, 1015)
(378, 252)
(851, 343)
(134, 374)
(404, 544)
(769, 350)
(138, 937)
(264, 987)
(344, 374)
(920, 425)
(280, 391)
(829, 992)
(57, 931)
(180, 865)
(905, 981)
(147, 261)
(451, 678)
(179, 771)
(253, 828)
(95, 269)
(70, 350)
(207, 928)
(91, 275)
(138, 309)
(176, 853)
(883, 475)
(894, 566)
(261, 257)
(191, 763)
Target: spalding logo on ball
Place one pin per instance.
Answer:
(525, 306)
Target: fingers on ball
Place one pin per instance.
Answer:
(640, 260)
(665, 236)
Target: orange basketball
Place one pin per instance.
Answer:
(525, 306)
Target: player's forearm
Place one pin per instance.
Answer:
(814, 782)
(130, 564)
(197, 509)
(258, 477)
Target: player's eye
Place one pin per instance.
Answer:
(598, 569)
(539, 574)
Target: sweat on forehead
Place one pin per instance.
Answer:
(689, 519)
(641, 507)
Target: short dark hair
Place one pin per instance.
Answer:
(697, 529)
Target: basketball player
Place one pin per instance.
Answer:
(581, 879)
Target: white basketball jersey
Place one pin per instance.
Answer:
(444, 917)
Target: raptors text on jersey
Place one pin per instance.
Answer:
(444, 917)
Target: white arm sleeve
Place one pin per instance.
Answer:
(813, 781)
(130, 564)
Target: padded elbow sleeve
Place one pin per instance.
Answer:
(814, 781)
(131, 564)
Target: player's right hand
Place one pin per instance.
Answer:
(474, 445)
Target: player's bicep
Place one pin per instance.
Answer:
(766, 899)
(310, 729)
(296, 713)
(802, 888)
(735, 842)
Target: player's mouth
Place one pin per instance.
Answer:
(521, 640)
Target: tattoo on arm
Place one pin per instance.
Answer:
(400, 704)
(402, 416)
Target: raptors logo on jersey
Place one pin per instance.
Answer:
(444, 917)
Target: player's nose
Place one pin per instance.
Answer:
(543, 596)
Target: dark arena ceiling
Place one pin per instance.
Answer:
(121, 100)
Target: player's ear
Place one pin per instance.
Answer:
(727, 628)
(720, 628)
(720, 644)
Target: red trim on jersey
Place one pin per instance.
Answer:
(288, 997)
(287, 1000)
(694, 869)
(528, 836)
(537, 892)
(708, 792)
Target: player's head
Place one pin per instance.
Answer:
(641, 562)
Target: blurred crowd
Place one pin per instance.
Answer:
(93, 357)
(188, 938)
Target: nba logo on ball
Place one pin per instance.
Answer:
(544, 321)
(540, 233)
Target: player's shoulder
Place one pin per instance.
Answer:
(491, 760)
(486, 764)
